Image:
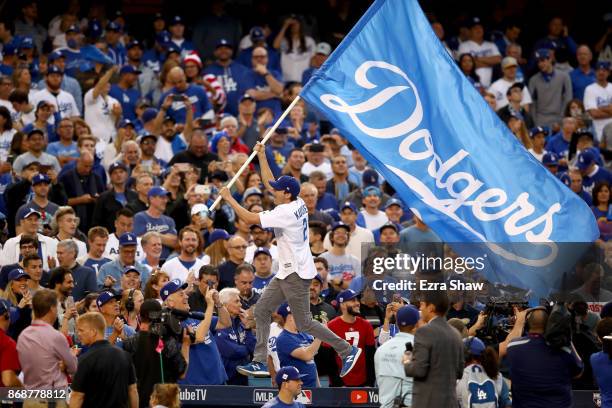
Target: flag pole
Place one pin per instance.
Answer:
(254, 153)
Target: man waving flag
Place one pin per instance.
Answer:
(398, 96)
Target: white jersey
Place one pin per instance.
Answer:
(64, 103)
(596, 96)
(176, 270)
(112, 248)
(6, 138)
(499, 89)
(359, 236)
(325, 167)
(374, 222)
(99, 117)
(486, 49)
(163, 148)
(275, 331)
(290, 223)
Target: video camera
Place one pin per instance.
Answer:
(500, 318)
(167, 322)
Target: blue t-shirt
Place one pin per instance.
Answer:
(144, 223)
(602, 371)
(199, 102)
(232, 79)
(59, 149)
(95, 264)
(326, 202)
(580, 81)
(117, 53)
(259, 284)
(255, 81)
(76, 62)
(128, 331)
(276, 403)
(205, 365)
(588, 182)
(128, 99)
(557, 145)
(246, 58)
(286, 343)
(277, 157)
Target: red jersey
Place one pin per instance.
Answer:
(9, 359)
(359, 334)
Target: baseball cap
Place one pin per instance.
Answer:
(246, 97)
(223, 43)
(284, 310)
(542, 53)
(128, 69)
(538, 129)
(149, 114)
(323, 48)
(602, 65)
(17, 274)
(316, 147)
(126, 122)
(585, 159)
(94, 29)
(287, 184)
(113, 26)
(348, 204)
(257, 34)
(26, 43)
(132, 44)
(163, 37)
(172, 287)
(371, 190)
(218, 234)
(106, 297)
(55, 55)
(389, 225)
(30, 212)
(141, 138)
(262, 250)
(157, 191)
(130, 268)
(407, 315)
(40, 178)
(474, 345)
(340, 224)
(54, 70)
(201, 209)
(72, 29)
(116, 165)
(550, 159)
(516, 85)
(193, 58)
(127, 239)
(319, 278)
(345, 295)
(509, 62)
(474, 21)
(219, 175)
(369, 178)
(606, 310)
(288, 373)
(175, 20)
(251, 191)
(394, 201)
(172, 49)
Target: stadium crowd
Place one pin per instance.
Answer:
(113, 148)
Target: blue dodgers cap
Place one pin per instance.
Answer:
(284, 310)
(407, 315)
(389, 225)
(128, 69)
(30, 212)
(394, 201)
(130, 268)
(26, 43)
(262, 250)
(94, 29)
(157, 191)
(73, 29)
(175, 20)
(542, 53)
(474, 21)
(217, 235)
(348, 204)
(116, 165)
(163, 37)
(288, 373)
(224, 43)
(17, 274)
(319, 278)
(257, 34)
(474, 346)
(586, 158)
(550, 159)
(602, 65)
(106, 297)
(128, 239)
(54, 70)
(113, 26)
(345, 295)
(172, 287)
(132, 44)
(340, 224)
(536, 130)
(126, 122)
(40, 178)
(369, 178)
(55, 55)
(172, 48)
(371, 190)
(287, 184)
(149, 114)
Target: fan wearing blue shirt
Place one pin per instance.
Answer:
(278, 151)
(559, 143)
(177, 32)
(263, 84)
(583, 75)
(602, 362)
(155, 57)
(586, 162)
(125, 91)
(231, 74)
(297, 349)
(153, 219)
(198, 100)
(289, 382)
(258, 38)
(116, 50)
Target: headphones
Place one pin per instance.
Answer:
(129, 303)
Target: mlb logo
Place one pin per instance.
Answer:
(305, 397)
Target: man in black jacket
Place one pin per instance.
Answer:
(114, 199)
(197, 154)
(143, 349)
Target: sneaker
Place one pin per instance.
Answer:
(349, 361)
(254, 369)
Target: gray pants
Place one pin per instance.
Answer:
(295, 291)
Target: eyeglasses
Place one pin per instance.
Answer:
(239, 247)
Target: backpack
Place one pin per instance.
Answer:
(483, 392)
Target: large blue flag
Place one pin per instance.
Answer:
(399, 97)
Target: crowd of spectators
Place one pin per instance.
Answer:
(113, 148)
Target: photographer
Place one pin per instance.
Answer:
(541, 375)
(602, 362)
(143, 349)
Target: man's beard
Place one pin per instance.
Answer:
(352, 312)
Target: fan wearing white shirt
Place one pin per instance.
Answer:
(500, 87)
(124, 222)
(102, 111)
(185, 267)
(485, 53)
(598, 98)
(63, 102)
(316, 161)
(373, 217)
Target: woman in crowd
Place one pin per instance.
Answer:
(6, 136)
(157, 281)
(217, 247)
(296, 49)
(467, 64)
(165, 396)
(517, 126)
(131, 300)
(44, 111)
(601, 201)
(19, 295)
(575, 109)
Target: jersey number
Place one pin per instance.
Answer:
(305, 228)
(352, 337)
